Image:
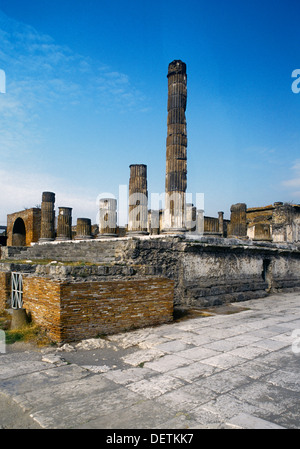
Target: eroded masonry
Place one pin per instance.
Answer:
(82, 280)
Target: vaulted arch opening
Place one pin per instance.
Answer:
(19, 233)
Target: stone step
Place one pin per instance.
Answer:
(96, 251)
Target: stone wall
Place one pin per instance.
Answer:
(237, 273)
(286, 223)
(71, 311)
(42, 301)
(214, 271)
(279, 222)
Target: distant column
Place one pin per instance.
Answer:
(176, 155)
(154, 222)
(108, 218)
(191, 214)
(238, 220)
(64, 223)
(211, 226)
(200, 222)
(138, 200)
(221, 223)
(47, 217)
(83, 229)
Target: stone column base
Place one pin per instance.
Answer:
(82, 237)
(45, 240)
(174, 231)
(136, 233)
(106, 236)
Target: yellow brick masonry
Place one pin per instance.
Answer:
(41, 298)
(72, 311)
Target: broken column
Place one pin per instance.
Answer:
(238, 221)
(64, 223)
(282, 223)
(200, 222)
(153, 222)
(108, 218)
(221, 223)
(176, 157)
(191, 214)
(211, 226)
(47, 217)
(138, 200)
(83, 229)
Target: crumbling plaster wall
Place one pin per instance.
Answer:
(215, 271)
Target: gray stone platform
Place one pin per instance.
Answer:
(226, 370)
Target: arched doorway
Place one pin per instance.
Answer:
(19, 233)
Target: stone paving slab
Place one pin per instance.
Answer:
(251, 422)
(238, 371)
(156, 386)
(142, 411)
(19, 385)
(73, 413)
(64, 392)
(195, 370)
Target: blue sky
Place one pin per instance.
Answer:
(86, 96)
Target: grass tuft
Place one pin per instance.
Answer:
(31, 333)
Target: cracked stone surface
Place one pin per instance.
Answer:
(220, 371)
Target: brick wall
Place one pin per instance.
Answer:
(41, 298)
(5, 289)
(72, 311)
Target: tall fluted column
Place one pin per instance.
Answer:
(138, 200)
(176, 154)
(64, 223)
(47, 217)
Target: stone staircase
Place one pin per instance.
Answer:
(94, 251)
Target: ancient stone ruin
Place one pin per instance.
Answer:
(176, 164)
(83, 280)
(138, 200)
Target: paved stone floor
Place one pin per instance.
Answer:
(224, 371)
